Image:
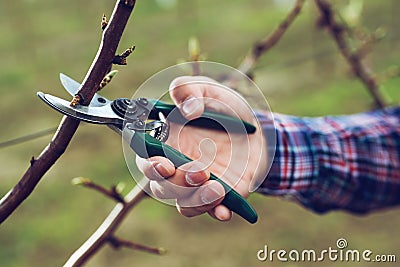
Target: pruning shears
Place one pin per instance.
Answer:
(142, 123)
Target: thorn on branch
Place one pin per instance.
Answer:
(121, 59)
(107, 79)
(32, 161)
(112, 193)
(117, 243)
(104, 22)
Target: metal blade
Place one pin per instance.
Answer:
(91, 114)
(72, 87)
(69, 84)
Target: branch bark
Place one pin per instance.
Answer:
(110, 193)
(262, 46)
(100, 67)
(354, 58)
(117, 243)
(106, 230)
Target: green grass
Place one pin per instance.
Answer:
(39, 39)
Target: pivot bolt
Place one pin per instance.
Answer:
(143, 101)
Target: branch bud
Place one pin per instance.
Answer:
(104, 22)
(80, 181)
(121, 59)
(194, 49)
(107, 79)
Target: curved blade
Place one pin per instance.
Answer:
(69, 84)
(72, 87)
(91, 114)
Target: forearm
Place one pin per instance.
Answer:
(343, 162)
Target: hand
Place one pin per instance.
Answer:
(234, 158)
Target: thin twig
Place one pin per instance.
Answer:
(27, 137)
(390, 73)
(194, 55)
(262, 46)
(353, 57)
(111, 193)
(106, 230)
(117, 243)
(122, 58)
(100, 67)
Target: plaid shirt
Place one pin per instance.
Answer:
(337, 162)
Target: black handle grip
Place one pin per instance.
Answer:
(147, 146)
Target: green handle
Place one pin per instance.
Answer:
(209, 119)
(147, 146)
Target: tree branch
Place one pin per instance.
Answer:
(262, 46)
(354, 58)
(100, 67)
(117, 243)
(112, 193)
(106, 230)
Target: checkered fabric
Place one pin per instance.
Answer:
(347, 162)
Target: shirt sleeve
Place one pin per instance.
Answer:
(338, 162)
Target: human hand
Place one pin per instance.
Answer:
(232, 157)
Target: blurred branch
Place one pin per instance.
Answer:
(262, 46)
(106, 230)
(110, 193)
(390, 73)
(117, 243)
(28, 137)
(353, 57)
(100, 67)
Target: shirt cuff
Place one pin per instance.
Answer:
(294, 163)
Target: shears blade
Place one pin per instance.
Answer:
(69, 84)
(72, 87)
(93, 114)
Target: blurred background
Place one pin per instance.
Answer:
(302, 75)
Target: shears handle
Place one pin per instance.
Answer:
(147, 146)
(209, 119)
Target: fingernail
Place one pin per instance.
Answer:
(190, 106)
(210, 194)
(161, 170)
(195, 178)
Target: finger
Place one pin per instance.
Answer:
(167, 190)
(182, 183)
(156, 168)
(221, 213)
(192, 94)
(191, 174)
(202, 200)
(187, 92)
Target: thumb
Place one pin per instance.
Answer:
(188, 94)
(192, 108)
